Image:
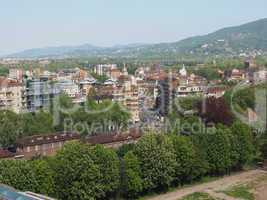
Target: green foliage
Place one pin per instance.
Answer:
(36, 123)
(209, 73)
(3, 70)
(95, 118)
(240, 192)
(131, 178)
(58, 65)
(124, 149)
(157, 161)
(245, 98)
(99, 78)
(263, 145)
(218, 152)
(244, 147)
(77, 175)
(108, 163)
(18, 174)
(198, 196)
(14, 126)
(189, 103)
(153, 164)
(186, 168)
(10, 128)
(44, 176)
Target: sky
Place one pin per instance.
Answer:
(26, 24)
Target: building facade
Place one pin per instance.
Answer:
(40, 94)
(12, 95)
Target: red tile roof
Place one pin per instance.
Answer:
(111, 138)
(4, 82)
(46, 139)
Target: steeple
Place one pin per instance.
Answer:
(124, 71)
(183, 71)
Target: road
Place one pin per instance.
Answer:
(219, 185)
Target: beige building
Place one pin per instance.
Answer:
(127, 95)
(12, 95)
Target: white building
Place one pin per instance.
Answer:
(69, 87)
(12, 95)
(183, 71)
(16, 74)
(104, 69)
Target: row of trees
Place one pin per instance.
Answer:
(14, 126)
(155, 163)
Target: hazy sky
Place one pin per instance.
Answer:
(39, 23)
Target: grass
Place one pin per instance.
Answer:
(198, 196)
(241, 191)
(206, 179)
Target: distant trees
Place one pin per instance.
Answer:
(103, 117)
(10, 125)
(14, 126)
(3, 70)
(99, 78)
(36, 123)
(210, 73)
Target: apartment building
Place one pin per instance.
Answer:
(69, 88)
(190, 84)
(12, 95)
(40, 94)
(16, 74)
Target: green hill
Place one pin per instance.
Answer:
(247, 39)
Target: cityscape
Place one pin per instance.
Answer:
(153, 120)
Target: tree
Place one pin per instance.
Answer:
(10, 128)
(18, 174)
(76, 174)
(263, 146)
(209, 73)
(185, 159)
(108, 163)
(234, 146)
(131, 178)
(215, 110)
(244, 147)
(44, 176)
(63, 109)
(36, 123)
(218, 152)
(157, 161)
(124, 149)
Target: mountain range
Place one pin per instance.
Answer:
(231, 41)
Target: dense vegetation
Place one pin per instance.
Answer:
(155, 163)
(87, 119)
